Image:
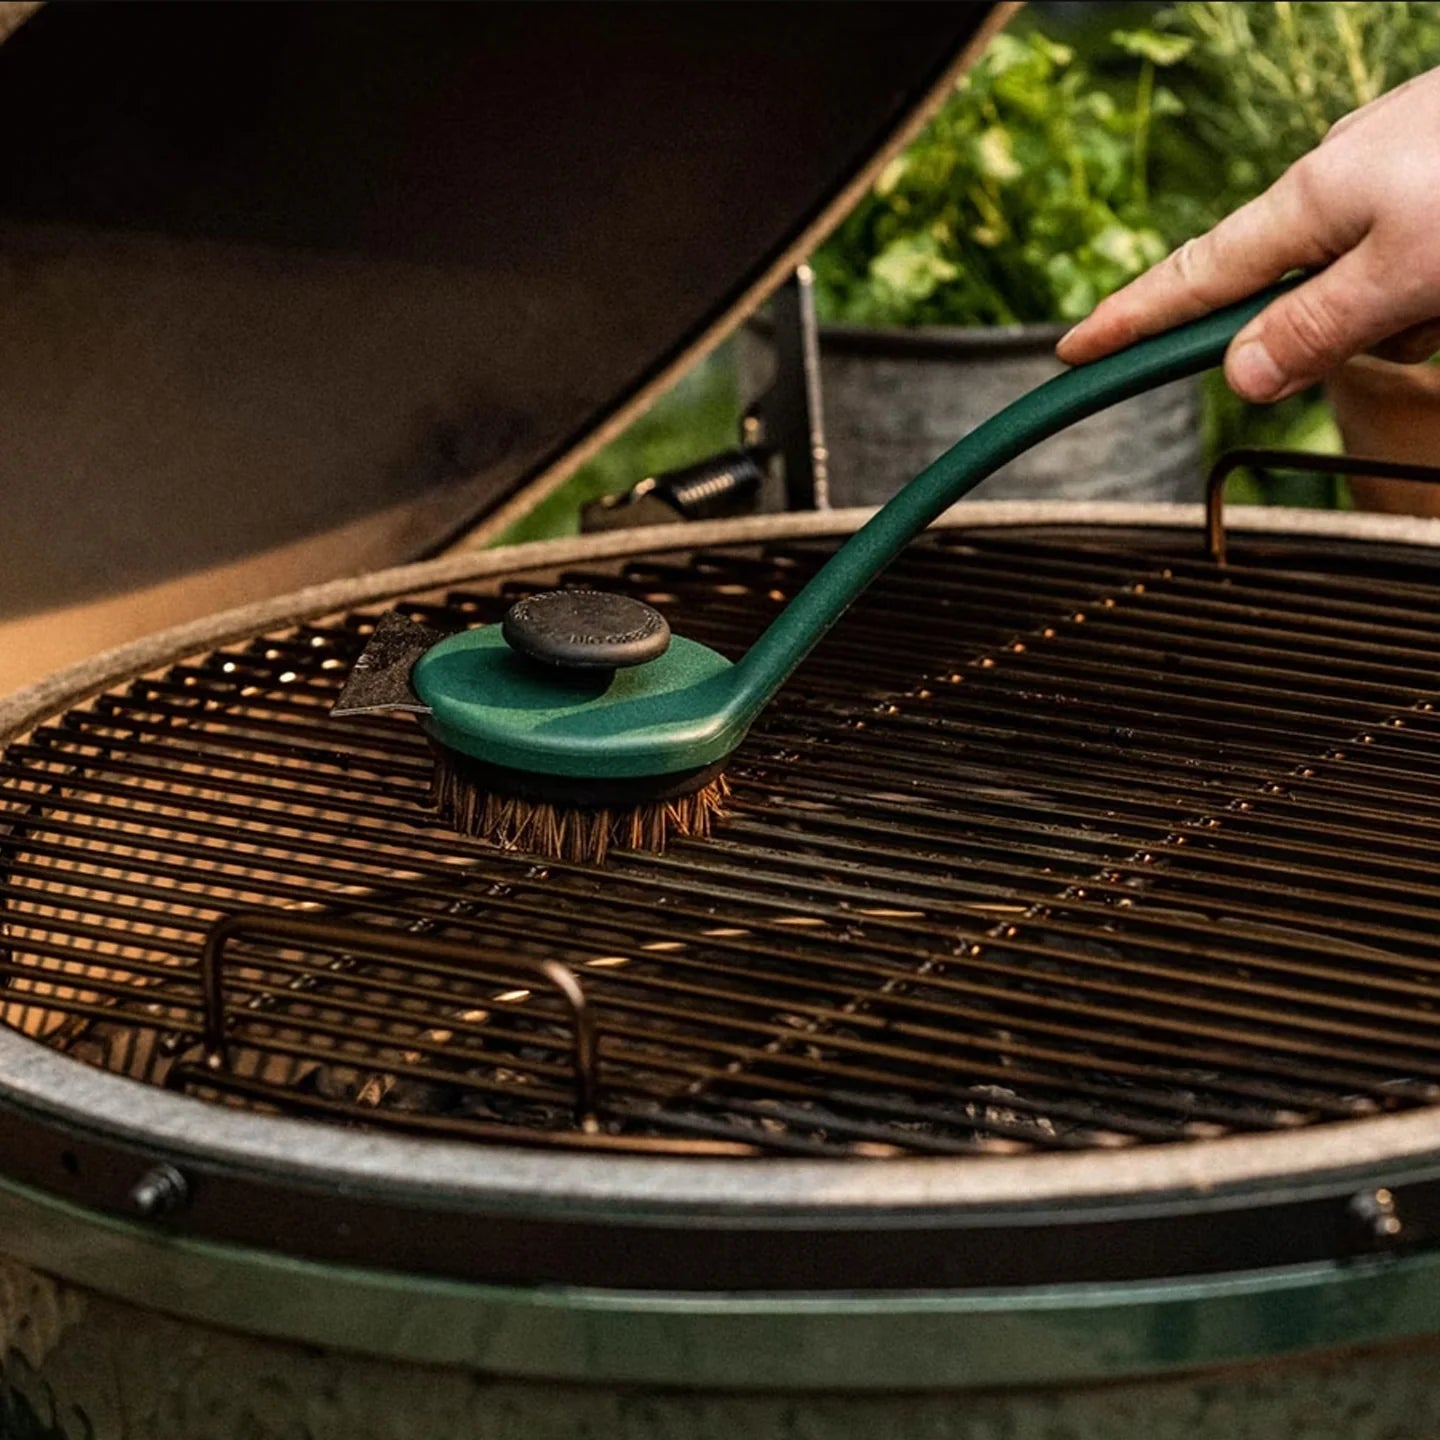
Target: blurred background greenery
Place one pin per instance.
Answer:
(1090, 140)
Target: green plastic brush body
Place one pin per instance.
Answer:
(691, 707)
(654, 719)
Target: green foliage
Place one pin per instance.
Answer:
(1049, 179)
(1026, 198)
(1262, 83)
(1260, 86)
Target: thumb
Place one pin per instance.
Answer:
(1292, 343)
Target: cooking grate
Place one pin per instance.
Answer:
(1061, 840)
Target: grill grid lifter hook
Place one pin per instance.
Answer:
(280, 927)
(1302, 461)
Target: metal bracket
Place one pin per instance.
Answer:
(282, 927)
(789, 417)
(785, 424)
(713, 489)
(1300, 461)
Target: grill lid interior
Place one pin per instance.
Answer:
(288, 272)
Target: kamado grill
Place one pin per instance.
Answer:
(1062, 971)
(1055, 1003)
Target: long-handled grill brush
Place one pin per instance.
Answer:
(582, 723)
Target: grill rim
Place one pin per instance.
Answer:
(69, 1098)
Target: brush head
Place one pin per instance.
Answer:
(578, 724)
(573, 820)
(535, 728)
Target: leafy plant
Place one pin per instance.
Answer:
(1260, 86)
(1262, 83)
(1048, 179)
(1026, 198)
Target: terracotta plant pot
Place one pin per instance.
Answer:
(1390, 412)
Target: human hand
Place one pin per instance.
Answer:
(1365, 204)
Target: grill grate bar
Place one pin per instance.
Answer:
(1076, 838)
(916, 742)
(1142, 590)
(1021, 895)
(1083, 800)
(1393, 881)
(1347, 1003)
(1118, 688)
(1397, 603)
(1289, 995)
(617, 1007)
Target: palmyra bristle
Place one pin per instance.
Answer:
(561, 833)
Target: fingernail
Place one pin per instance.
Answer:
(1253, 373)
(1062, 344)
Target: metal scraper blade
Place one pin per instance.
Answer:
(380, 679)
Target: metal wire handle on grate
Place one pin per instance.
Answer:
(280, 927)
(1294, 460)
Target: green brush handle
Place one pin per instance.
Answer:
(689, 708)
(796, 631)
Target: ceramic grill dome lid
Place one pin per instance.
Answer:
(325, 283)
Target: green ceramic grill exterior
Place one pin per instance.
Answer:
(690, 707)
(912, 1343)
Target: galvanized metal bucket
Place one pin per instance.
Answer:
(895, 399)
